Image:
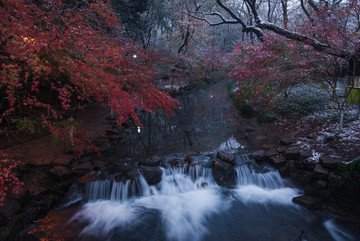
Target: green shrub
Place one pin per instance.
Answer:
(304, 99)
(349, 171)
(266, 117)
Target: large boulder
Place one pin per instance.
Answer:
(226, 157)
(224, 173)
(152, 175)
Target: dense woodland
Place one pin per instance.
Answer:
(58, 56)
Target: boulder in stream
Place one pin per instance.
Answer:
(152, 175)
(226, 157)
(224, 173)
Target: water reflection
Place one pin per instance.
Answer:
(203, 120)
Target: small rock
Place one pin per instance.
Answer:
(259, 155)
(320, 184)
(305, 154)
(286, 142)
(278, 160)
(83, 166)
(226, 157)
(307, 201)
(329, 162)
(320, 170)
(291, 154)
(281, 149)
(321, 173)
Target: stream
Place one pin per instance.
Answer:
(188, 204)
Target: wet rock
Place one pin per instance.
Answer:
(90, 177)
(151, 174)
(151, 162)
(132, 174)
(291, 154)
(329, 162)
(305, 154)
(271, 153)
(278, 160)
(226, 157)
(308, 202)
(320, 184)
(259, 156)
(224, 173)
(281, 149)
(321, 172)
(286, 142)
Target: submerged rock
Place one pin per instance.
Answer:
(224, 173)
(307, 201)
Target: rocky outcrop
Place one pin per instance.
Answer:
(151, 174)
(226, 157)
(223, 169)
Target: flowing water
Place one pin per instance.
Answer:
(188, 204)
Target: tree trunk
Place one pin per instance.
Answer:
(341, 120)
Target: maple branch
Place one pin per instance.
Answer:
(264, 25)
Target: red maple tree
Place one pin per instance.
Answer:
(57, 55)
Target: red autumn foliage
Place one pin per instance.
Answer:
(272, 66)
(266, 68)
(57, 55)
(9, 183)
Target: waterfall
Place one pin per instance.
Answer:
(187, 204)
(115, 191)
(269, 180)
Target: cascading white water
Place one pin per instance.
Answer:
(184, 198)
(268, 187)
(188, 205)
